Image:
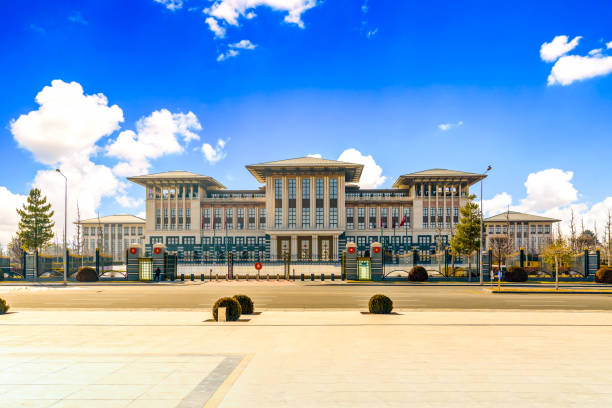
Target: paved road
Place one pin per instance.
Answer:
(289, 295)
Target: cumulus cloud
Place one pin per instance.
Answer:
(67, 123)
(571, 68)
(609, 45)
(551, 193)
(214, 154)
(243, 45)
(371, 176)
(595, 51)
(156, 135)
(559, 46)
(315, 155)
(226, 55)
(448, 126)
(229, 11)
(171, 4)
(215, 27)
(9, 218)
(129, 202)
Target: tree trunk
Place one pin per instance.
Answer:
(556, 273)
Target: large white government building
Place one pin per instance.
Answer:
(305, 208)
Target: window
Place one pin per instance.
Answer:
(333, 189)
(497, 229)
(292, 217)
(319, 189)
(533, 229)
(262, 218)
(350, 218)
(251, 218)
(85, 231)
(217, 219)
(505, 229)
(319, 220)
(384, 215)
(240, 219)
(407, 215)
(395, 217)
(424, 212)
(133, 231)
(229, 218)
(206, 219)
(305, 188)
(539, 229)
(333, 217)
(278, 217)
(278, 189)
(195, 191)
(372, 218)
(291, 189)
(547, 229)
(361, 218)
(305, 217)
(139, 230)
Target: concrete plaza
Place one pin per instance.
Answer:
(174, 358)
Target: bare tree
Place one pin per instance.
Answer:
(608, 241)
(77, 241)
(503, 245)
(572, 231)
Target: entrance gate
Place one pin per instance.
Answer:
(364, 268)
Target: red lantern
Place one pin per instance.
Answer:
(351, 250)
(157, 251)
(376, 250)
(258, 265)
(133, 251)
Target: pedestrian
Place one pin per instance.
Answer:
(157, 275)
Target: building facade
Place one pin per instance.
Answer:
(112, 234)
(306, 208)
(528, 231)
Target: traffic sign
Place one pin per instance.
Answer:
(258, 265)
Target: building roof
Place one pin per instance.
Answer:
(161, 178)
(260, 171)
(437, 175)
(115, 219)
(517, 216)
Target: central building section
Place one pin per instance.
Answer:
(305, 203)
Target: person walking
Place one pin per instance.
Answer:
(157, 275)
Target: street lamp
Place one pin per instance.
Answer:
(481, 230)
(65, 223)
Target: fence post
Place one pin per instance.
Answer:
(522, 257)
(67, 263)
(98, 261)
(23, 264)
(586, 262)
(415, 256)
(598, 258)
(36, 265)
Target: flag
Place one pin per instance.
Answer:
(404, 220)
(381, 222)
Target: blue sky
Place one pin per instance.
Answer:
(312, 77)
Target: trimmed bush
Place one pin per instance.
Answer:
(234, 310)
(418, 274)
(515, 274)
(3, 306)
(380, 304)
(245, 303)
(86, 274)
(603, 275)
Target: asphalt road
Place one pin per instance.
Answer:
(290, 295)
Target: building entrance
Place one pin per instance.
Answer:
(325, 248)
(364, 268)
(283, 247)
(305, 247)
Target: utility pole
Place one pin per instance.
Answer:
(65, 224)
(481, 230)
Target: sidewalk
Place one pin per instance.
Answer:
(305, 359)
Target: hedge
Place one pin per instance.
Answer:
(3, 306)
(380, 304)
(418, 274)
(233, 312)
(245, 303)
(603, 275)
(86, 274)
(515, 274)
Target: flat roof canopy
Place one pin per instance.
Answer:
(352, 171)
(173, 176)
(437, 175)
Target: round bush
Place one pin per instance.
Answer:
(380, 304)
(234, 310)
(86, 274)
(418, 274)
(515, 274)
(245, 303)
(3, 306)
(603, 275)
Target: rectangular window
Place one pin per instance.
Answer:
(350, 218)
(262, 218)
(319, 189)
(85, 231)
(498, 229)
(361, 218)
(251, 218)
(547, 229)
(229, 218)
(133, 230)
(533, 229)
(305, 189)
(372, 218)
(217, 219)
(539, 229)
(319, 220)
(333, 218)
(292, 221)
(291, 189)
(240, 219)
(305, 217)
(278, 217)
(278, 189)
(139, 230)
(384, 214)
(206, 218)
(395, 217)
(407, 215)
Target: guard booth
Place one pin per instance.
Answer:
(158, 258)
(134, 253)
(363, 267)
(376, 257)
(350, 261)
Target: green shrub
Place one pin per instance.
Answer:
(515, 274)
(234, 310)
(603, 275)
(86, 274)
(418, 274)
(3, 306)
(380, 304)
(245, 303)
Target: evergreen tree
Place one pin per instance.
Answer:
(467, 235)
(35, 225)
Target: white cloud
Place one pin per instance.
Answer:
(448, 126)
(609, 45)
(315, 155)
(228, 54)
(9, 218)
(596, 51)
(371, 177)
(214, 154)
(372, 33)
(67, 124)
(243, 45)
(229, 11)
(171, 4)
(551, 193)
(129, 202)
(571, 68)
(156, 135)
(559, 46)
(215, 27)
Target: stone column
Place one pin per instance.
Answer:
(294, 247)
(315, 247)
(273, 247)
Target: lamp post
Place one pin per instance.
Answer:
(65, 224)
(481, 229)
